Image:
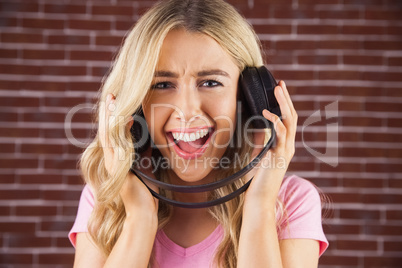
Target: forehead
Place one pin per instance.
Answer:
(183, 50)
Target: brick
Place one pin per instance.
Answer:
(346, 197)
(281, 12)
(74, 180)
(7, 147)
(40, 179)
(126, 10)
(69, 210)
(19, 132)
(19, 163)
(339, 75)
(339, 44)
(340, 14)
(395, 183)
(63, 243)
(383, 198)
(64, 70)
(318, 59)
(362, 183)
(353, 244)
(366, 30)
(8, 22)
(83, 86)
(317, 29)
(59, 163)
(363, 121)
(295, 45)
(381, 45)
(17, 227)
(273, 29)
(8, 53)
(68, 39)
(362, 60)
(78, 133)
(392, 245)
(382, 76)
(326, 2)
(56, 258)
(43, 54)
(13, 6)
(340, 260)
(43, 117)
(65, 8)
(395, 61)
(108, 40)
(89, 24)
(394, 214)
(42, 23)
(7, 178)
(91, 55)
(394, 122)
(382, 261)
(44, 86)
(4, 211)
(19, 101)
(100, 71)
(359, 214)
(293, 75)
(383, 229)
(382, 106)
(124, 25)
(21, 38)
(60, 195)
(378, 14)
(24, 241)
(56, 225)
(16, 258)
(386, 137)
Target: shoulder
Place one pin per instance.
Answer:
(297, 187)
(299, 196)
(301, 217)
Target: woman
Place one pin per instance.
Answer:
(181, 64)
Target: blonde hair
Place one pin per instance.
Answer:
(130, 79)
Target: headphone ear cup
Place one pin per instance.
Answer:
(257, 86)
(139, 132)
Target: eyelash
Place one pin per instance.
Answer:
(216, 84)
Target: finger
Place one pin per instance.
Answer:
(283, 104)
(279, 127)
(292, 124)
(287, 96)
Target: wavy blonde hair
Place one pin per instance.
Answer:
(130, 79)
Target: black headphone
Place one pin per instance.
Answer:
(256, 86)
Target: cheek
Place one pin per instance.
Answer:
(225, 118)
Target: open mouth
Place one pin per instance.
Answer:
(191, 143)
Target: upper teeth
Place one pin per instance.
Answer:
(190, 136)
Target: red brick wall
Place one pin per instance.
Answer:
(342, 52)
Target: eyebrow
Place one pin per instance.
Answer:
(201, 73)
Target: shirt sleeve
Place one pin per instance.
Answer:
(302, 212)
(85, 208)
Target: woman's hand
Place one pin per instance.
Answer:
(136, 197)
(269, 173)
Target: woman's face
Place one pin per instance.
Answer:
(191, 106)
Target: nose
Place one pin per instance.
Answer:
(188, 105)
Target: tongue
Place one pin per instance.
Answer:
(192, 146)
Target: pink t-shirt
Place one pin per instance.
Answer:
(303, 208)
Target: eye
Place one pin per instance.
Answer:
(211, 83)
(162, 85)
